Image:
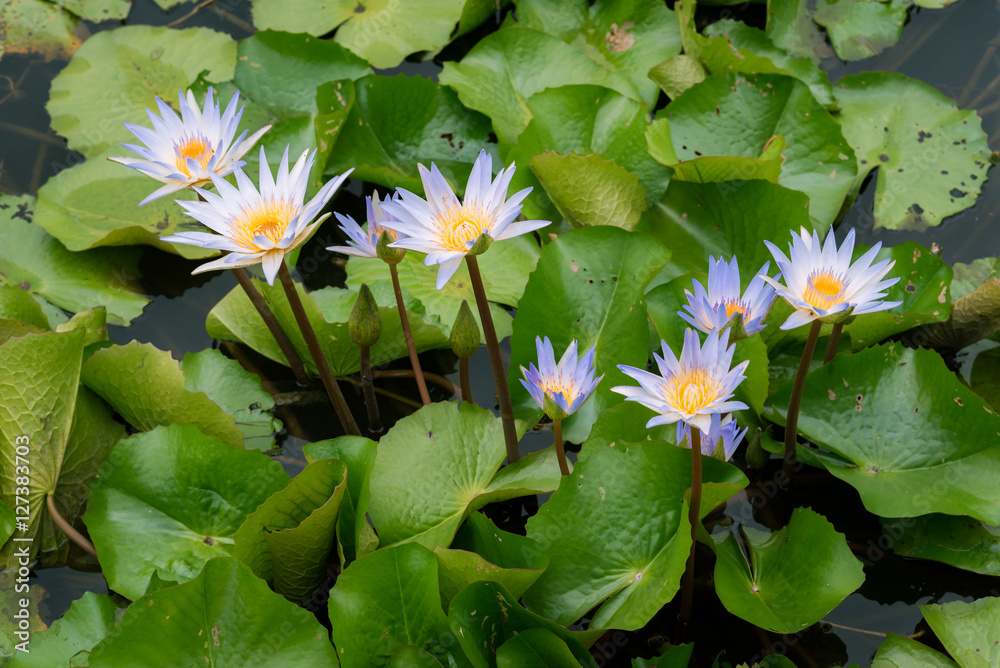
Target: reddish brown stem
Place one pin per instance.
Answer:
(687, 588)
(463, 376)
(560, 450)
(67, 528)
(831, 346)
(374, 422)
(405, 322)
(794, 401)
(408, 373)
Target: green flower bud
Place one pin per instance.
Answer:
(481, 246)
(840, 318)
(385, 253)
(737, 331)
(365, 324)
(465, 332)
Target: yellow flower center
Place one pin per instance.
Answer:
(196, 148)
(823, 289)
(690, 390)
(267, 219)
(736, 306)
(553, 386)
(460, 224)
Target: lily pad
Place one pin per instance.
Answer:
(675, 657)
(904, 431)
(287, 540)
(932, 157)
(169, 500)
(236, 391)
(678, 73)
(196, 623)
(394, 123)
(710, 118)
(481, 551)
(388, 600)
(623, 507)
(535, 647)
(969, 631)
(969, 277)
(597, 276)
(961, 542)
(485, 616)
(624, 423)
(38, 263)
(439, 464)
(791, 28)
(97, 10)
(36, 27)
(716, 169)
(901, 652)
(761, 589)
(235, 319)
(7, 522)
(147, 388)
(117, 74)
(53, 435)
(71, 637)
(861, 29)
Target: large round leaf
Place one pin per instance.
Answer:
(617, 532)
(969, 631)
(287, 540)
(439, 464)
(535, 647)
(588, 286)
(932, 157)
(388, 600)
(38, 27)
(71, 637)
(171, 499)
(861, 29)
(737, 115)
(197, 624)
(901, 652)
(904, 431)
(958, 541)
(791, 578)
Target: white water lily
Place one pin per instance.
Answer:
(448, 229)
(719, 306)
(363, 242)
(258, 226)
(185, 151)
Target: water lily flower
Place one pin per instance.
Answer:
(364, 242)
(186, 151)
(258, 227)
(560, 389)
(691, 389)
(447, 229)
(821, 282)
(722, 306)
(721, 439)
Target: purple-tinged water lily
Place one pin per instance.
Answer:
(363, 242)
(560, 389)
(721, 439)
(722, 306)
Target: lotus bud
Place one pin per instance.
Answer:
(365, 324)
(465, 332)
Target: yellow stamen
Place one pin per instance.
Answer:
(690, 390)
(268, 219)
(823, 289)
(461, 224)
(196, 148)
(554, 386)
(736, 306)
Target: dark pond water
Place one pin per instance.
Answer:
(955, 50)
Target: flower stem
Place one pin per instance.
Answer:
(287, 349)
(499, 375)
(560, 450)
(831, 347)
(414, 362)
(792, 419)
(67, 528)
(463, 376)
(329, 382)
(687, 588)
(374, 423)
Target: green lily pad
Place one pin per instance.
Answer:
(504, 268)
(623, 508)
(598, 276)
(969, 277)
(53, 435)
(287, 540)
(961, 542)
(353, 529)
(535, 647)
(985, 375)
(710, 118)
(41, 265)
(624, 423)
(439, 464)
(904, 431)
(507, 67)
(117, 74)
(388, 600)
(901, 652)
(169, 500)
(235, 319)
(969, 631)
(589, 190)
(677, 73)
(147, 388)
(485, 616)
(196, 623)
(791, 28)
(71, 637)
(764, 591)
(932, 157)
(236, 391)
(623, 37)
(861, 29)
(7, 522)
(97, 10)
(675, 657)
(17, 305)
(973, 317)
(36, 27)
(412, 656)
(716, 169)
(481, 551)
(394, 123)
